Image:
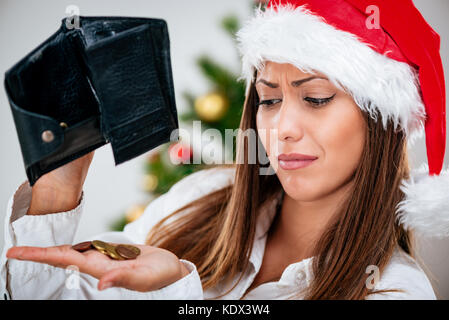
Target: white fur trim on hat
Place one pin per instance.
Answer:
(376, 82)
(425, 208)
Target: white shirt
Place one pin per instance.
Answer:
(31, 280)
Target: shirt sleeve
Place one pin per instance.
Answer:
(403, 273)
(31, 280)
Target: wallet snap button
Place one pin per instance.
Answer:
(48, 136)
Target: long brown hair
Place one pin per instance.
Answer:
(218, 231)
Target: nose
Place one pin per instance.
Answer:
(290, 126)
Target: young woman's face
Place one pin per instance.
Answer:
(313, 118)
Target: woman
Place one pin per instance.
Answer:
(324, 227)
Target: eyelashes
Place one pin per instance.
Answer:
(312, 101)
(319, 102)
(268, 102)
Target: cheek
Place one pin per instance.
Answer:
(342, 138)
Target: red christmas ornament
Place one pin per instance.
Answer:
(180, 153)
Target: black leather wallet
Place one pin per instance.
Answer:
(108, 80)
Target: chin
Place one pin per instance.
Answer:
(300, 191)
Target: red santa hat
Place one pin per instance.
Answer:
(387, 57)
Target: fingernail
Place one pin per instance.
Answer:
(106, 285)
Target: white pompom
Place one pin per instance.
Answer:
(425, 208)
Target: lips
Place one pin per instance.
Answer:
(294, 161)
(295, 156)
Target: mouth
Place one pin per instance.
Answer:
(294, 161)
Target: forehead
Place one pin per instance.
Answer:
(274, 69)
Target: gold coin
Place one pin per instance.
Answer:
(103, 251)
(100, 246)
(110, 249)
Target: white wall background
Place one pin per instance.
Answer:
(194, 29)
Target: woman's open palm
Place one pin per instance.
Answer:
(153, 269)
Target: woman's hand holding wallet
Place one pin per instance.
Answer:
(60, 190)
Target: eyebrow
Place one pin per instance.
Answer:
(295, 83)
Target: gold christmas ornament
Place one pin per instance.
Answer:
(150, 182)
(134, 212)
(211, 107)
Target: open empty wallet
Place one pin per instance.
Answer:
(109, 79)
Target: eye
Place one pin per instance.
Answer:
(269, 102)
(319, 101)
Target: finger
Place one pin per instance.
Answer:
(133, 278)
(58, 256)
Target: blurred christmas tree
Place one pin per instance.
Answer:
(220, 108)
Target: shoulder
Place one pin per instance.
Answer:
(186, 190)
(403, 273)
